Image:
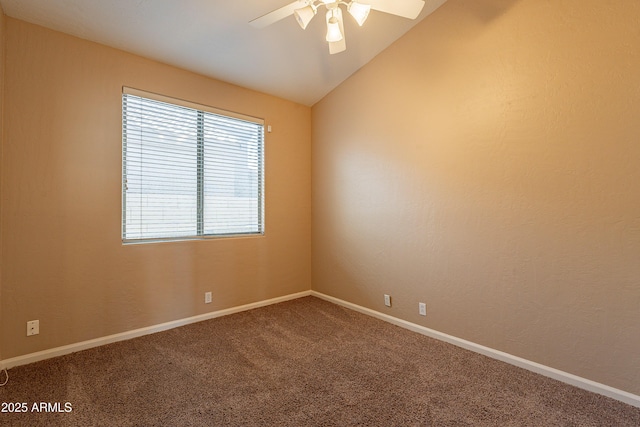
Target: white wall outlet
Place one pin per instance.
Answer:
(387, 300)
(422, 308)
(33, 327)
(207, 297)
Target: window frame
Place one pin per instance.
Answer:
(199, 220)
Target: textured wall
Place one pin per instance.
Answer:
(63, 260)
(487, 164)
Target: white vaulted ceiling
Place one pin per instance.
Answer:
(213, 38)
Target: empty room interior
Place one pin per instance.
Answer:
(420, 220)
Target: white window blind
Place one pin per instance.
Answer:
(189, 171)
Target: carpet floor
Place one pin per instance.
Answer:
(305, 362)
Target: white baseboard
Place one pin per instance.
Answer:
(556, 374)
(574, 380)
(72, 348)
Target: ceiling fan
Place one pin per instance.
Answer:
(305, 10)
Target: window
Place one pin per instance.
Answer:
(189, 171)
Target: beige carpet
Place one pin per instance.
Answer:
(300, 363)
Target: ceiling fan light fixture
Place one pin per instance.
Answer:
(333, 26)
(305, 10)
(359, 11)
(304, 15)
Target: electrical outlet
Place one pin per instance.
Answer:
(387, 300)
(33, 327)
(207, 297)
(422, 308)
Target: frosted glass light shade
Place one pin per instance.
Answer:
(304, 15)
(333, 27)
(359, 11)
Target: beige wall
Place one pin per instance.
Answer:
(63, 262)
(2, 24)
(487, 164)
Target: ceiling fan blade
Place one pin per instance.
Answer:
(337, 47)
(276, 15)
(340, 45)
(406, 8)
